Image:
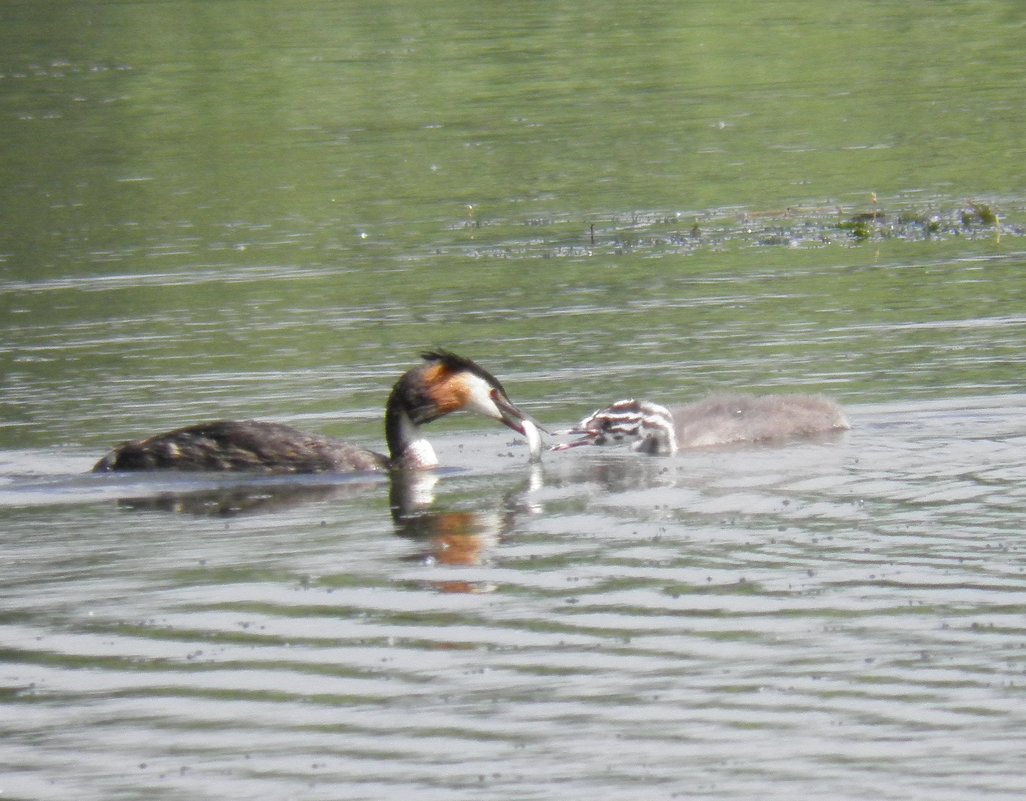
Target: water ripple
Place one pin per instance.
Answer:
(719, 624)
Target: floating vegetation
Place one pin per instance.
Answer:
(980, 213)
(688, 232)
(913, 225)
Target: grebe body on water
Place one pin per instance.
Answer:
(717, 420)
(443, 384)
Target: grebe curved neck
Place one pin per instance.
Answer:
(408, 448)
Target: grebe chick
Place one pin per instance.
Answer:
(716, 420)
(444, 383)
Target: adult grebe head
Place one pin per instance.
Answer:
(647, 427)
(443, 384)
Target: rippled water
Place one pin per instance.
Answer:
(267, 210)
(838, 620)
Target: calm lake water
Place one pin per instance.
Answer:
(250, 209)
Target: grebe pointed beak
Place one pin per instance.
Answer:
(512, 417)
(588, 438)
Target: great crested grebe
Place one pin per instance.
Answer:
(444, 383)
(716, 420)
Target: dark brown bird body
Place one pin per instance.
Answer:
(241, 445)
(444, 383)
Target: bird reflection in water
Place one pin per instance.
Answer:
(462, 537)
(250, 498)
(450, 537)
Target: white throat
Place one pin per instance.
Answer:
(418, 453)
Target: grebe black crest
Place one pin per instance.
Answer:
(442, 384)
(717, 420)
